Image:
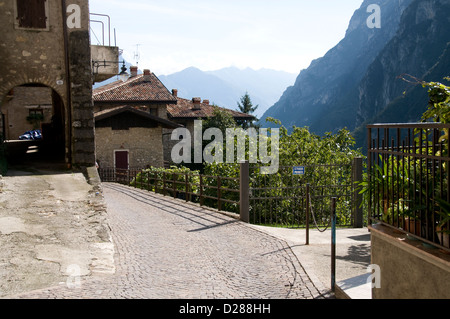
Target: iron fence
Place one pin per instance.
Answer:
(217, 192)
(282, 199)
(408, 185)
(290, 200)
(118, 175)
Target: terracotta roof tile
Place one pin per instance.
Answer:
(184, 109)
(142, 88)
(146, 88)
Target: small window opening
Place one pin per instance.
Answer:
(31, 14)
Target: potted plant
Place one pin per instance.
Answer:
(35, 119)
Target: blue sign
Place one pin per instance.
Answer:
(299, 170)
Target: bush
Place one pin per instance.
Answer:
(281, 196)
(152, 179)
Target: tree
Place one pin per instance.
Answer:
(246, 106)
(327, 162)
(220, 119)
(439, 104)
(439, 99)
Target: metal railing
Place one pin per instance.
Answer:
(408, 185)
(103, 43)
(292, 200)
(281, 199)
(118, 175)
(217, 192)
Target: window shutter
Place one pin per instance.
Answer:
(31, 14)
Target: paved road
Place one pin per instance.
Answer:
(168, 249)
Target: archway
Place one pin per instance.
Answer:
(33, 125)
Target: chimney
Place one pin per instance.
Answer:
(196, 101)
(206, 102)
(175, 92)
(147, 75)
(134, 71)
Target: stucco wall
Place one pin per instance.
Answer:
(144, 146)
(104, 69)
(408, 269)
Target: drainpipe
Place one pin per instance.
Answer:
(68, 86)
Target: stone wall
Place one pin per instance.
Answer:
(31, 56)
(143, 144)
(38, 56)
(82, 116)
(17, 108)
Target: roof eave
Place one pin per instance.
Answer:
(121, 102)
(165, 123)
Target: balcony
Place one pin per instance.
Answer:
(105, 63)
(104, 55)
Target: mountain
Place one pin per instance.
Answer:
(192, 82)
(226, 86)
(357, 82)
(421, 48)
(264, 86)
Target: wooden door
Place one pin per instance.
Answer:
(121, 159)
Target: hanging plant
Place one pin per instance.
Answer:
(35, 120)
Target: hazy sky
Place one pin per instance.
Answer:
(212, 34)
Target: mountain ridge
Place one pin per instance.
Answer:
(358, 82)
(226, 86)
(331, 78)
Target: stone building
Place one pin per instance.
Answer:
(130, 117)
(45, 47)
(148, 140)
(185, 112)
(142, 91)
(128, 137)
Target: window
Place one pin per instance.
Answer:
(36, 112)
(32, 14)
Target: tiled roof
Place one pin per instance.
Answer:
(140, 88)
(122, 109)
(185, 109)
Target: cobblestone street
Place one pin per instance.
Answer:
(168, 249)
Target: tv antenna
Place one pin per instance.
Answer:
(137, 55)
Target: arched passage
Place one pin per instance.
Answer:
(33, 125)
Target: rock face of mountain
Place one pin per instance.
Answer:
(225, 87)
(357, 81)
(421, 48)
